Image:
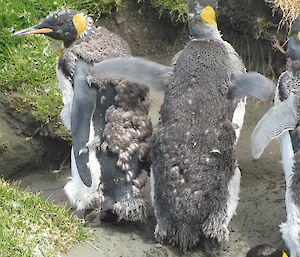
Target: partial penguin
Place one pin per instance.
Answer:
(282, 121)
(265, 250)
(195, 177)
(109, 120)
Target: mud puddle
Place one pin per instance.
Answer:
(260, 209)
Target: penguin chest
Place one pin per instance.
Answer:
(66, 89)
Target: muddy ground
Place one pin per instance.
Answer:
(261, 206)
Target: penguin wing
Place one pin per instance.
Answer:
(278, 119)
(83, 107)
(135, 70)
(250, 84)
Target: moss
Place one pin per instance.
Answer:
(3, 147)
(96, 8)
(27, 73)
(176, 8)
(32, 227)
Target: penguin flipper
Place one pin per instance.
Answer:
(84, 104)
(135, 70)
(278, 119)
(251, 84)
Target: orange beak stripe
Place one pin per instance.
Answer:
(40, 31)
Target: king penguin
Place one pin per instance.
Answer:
(195, 178)
(108, 120)
(265, 250)
(282, 121)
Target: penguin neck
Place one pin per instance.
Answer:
(293, 66)
(90, 29)
(203, 31)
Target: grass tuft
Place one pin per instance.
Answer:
(96, 8)
(32, 227)
(177, 8)
(290, 8)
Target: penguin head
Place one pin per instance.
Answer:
(202, 19)
(64, 25)
(203, 11)
(294, 41)
(265, 250)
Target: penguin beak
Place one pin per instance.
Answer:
(37, 29)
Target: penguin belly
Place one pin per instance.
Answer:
(195, 179)
(290, 230)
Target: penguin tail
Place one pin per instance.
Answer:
(133, 69)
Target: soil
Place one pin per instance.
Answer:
(261, 206)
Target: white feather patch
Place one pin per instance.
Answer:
(81, 196)
(67, 92)
(234, 190)
(290, 230)
(238, 117)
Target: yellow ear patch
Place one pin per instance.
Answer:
(208, 15)
(80, 23)
(284, 254)
(298, 35)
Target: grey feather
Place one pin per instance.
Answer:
(194, 146)
(251, 84)
(135, 70)
(278, 119)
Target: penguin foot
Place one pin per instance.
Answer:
(215, 229)
(212, 247)
(131, 209)
(182, 236)
(93, 217)
(82, 197)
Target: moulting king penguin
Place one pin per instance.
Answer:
(108, 120)
(282, 121)
(195, 178)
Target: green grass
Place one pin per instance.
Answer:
(27, 64)
(32, 227)
(176, 8)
